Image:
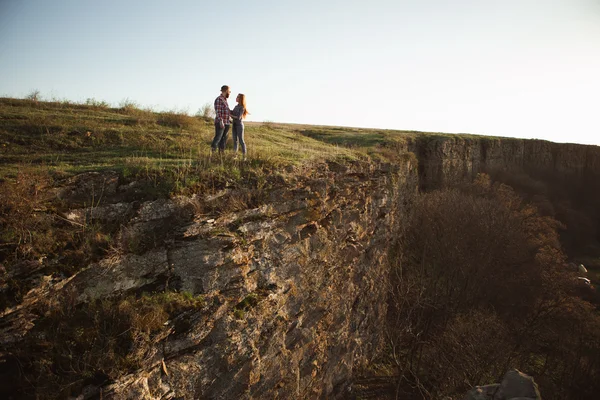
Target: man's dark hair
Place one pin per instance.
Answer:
(224, 87)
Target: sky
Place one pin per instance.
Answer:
(519, 68)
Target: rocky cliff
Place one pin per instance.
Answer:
(293, 291)
(562, 180)
(447, 160)
(307, 270)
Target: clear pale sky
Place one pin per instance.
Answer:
(522, 68)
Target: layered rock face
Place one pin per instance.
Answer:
(295, 290)
(567, 174)
(312, 268)
(454, 159)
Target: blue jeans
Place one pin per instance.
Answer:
(238, 137)
(220, 137)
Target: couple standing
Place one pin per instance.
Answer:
(222, 121)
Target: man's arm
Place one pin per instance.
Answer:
(235, 113)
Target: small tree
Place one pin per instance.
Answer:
(206, 111)
(478, 286)
(34, 95)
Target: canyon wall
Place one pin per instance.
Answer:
(447, 160)
(313, 262)
(294, 291)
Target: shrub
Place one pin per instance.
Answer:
(21, 215)
(34, 95)
(474, 347)
(90, 101)
(32, 234)
(128, 106)
(206, 111)
(480, 287)
(74, 345)
(565, 198)
(175, 119)
(138, 116)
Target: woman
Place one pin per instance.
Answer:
(239, 114)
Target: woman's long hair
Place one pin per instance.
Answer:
(243, 103)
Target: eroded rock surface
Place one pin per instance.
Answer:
(295, 289)
(309, 267)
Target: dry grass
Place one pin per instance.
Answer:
(176, 119)
(77, 137)
(75, 345)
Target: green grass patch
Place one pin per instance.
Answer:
(87, 137)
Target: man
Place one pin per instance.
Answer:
(222, 118)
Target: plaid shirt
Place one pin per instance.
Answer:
(222, 110)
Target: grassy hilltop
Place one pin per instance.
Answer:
(174, 148)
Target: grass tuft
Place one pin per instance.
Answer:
(73, 345)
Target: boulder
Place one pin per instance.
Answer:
(514, 386)
(517, 385)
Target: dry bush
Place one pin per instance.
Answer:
(22, 217)
(175, 119)
(97, 104)
(34, 95)
(470, 245)
(206, 111)
(474, 347)
(101, 339)
(480, 287)
(128, 106)
(73, 345)
(561, 348)
(32, 235)
(138, 116)
(571, 199)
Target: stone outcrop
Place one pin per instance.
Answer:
(315, 261)
(452, 159)
(560, 179)
(514, 386)
(295, 290)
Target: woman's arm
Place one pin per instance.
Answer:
(236, 113)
